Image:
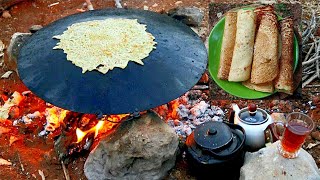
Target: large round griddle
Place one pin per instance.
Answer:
(170, 70)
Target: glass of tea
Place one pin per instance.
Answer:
(296, 129)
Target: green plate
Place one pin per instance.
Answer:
(234, 88)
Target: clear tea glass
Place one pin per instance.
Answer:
(296, 129)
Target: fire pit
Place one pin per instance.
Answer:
(169, 71)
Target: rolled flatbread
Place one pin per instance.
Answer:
(243, 49)
(228, 40)
(262, 10)
(264, 87)
(284, 81)
(265, 56)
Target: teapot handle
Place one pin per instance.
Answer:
(272, 133)
(235, 107)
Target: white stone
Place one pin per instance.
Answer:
(6, 75)
(178, 2)
(6, 14)
(268, 164)
(5, 162)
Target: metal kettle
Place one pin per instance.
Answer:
(254, 121)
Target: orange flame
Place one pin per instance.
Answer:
(106, 124)
(81, 134)
(173, 107)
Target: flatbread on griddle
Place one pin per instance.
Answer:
(284, 81)
(228, 40)
(105, 44)
(243, 49)
(265, 56)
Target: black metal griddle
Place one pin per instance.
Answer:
(177, 63)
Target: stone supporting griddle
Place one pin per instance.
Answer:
(142, 148)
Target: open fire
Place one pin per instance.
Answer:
(73, 132)
(77, 133)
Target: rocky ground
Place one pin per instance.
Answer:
(34, 158)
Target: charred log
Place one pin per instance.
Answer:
(68, 149)
(66, 145)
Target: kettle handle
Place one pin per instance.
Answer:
(235, 107)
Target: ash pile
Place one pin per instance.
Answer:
(187, 112)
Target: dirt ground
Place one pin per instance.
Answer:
(31, 155)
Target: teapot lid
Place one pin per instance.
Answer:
(213, 135)
(253, 115)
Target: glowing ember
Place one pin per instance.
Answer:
(116, 118)
(174, 106)
(55, 117)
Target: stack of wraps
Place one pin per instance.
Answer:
(255, 53)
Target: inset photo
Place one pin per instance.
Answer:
(254, 51)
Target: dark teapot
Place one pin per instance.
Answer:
(216, 150)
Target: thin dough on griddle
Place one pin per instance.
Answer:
(105, 44)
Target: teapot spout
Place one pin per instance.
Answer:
(235, 107)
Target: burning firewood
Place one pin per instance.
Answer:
(67, 147)
(55, 117)
(79, 132)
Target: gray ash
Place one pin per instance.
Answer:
(193, 109)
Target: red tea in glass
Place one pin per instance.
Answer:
(294, 136)
(297, 127)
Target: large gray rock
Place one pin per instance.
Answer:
(144, 148)
(191, 16)
(16, 43)
(268, 164)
